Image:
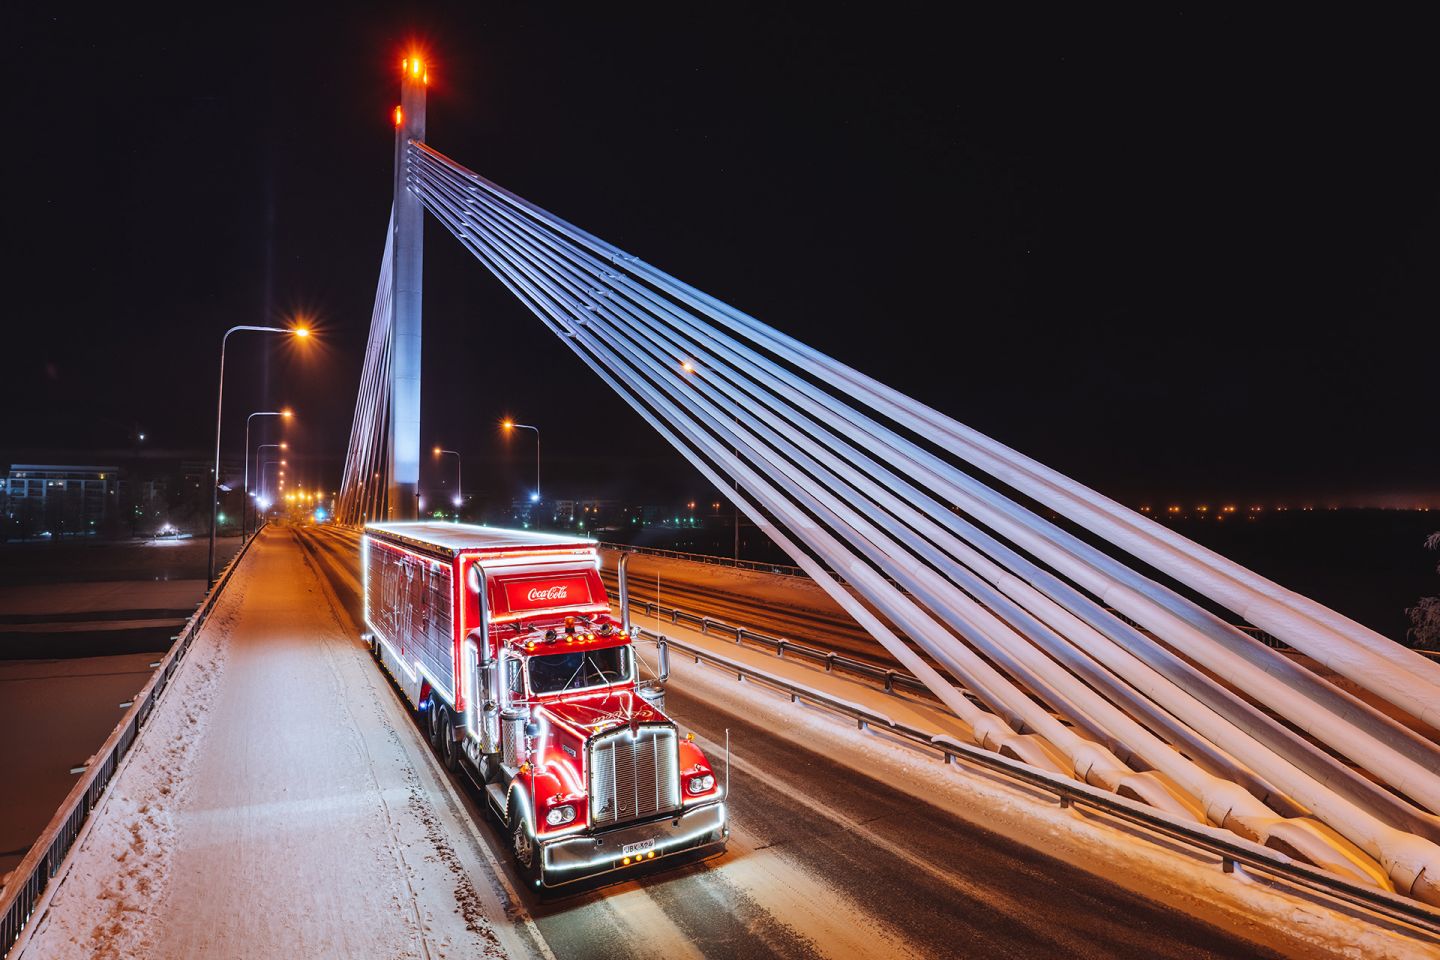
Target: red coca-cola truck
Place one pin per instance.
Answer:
(505, 643)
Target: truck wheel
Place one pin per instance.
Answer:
(522, 845)
(449, 749)
(432, 722)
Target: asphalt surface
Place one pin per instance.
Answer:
(828, 862)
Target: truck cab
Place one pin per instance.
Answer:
(542, 696)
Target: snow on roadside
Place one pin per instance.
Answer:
(123, 864)
(1190, 881)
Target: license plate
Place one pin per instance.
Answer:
(637, 847)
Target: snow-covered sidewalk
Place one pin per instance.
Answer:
(274, 806)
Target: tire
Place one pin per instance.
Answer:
(449, 749)
(432, 723)
(523, 849)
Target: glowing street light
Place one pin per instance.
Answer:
(300, 332)
(512, 425)
(459, 489)
(264, 500)
(259, 451)
(245, 502)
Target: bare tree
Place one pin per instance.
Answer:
(1424, 632)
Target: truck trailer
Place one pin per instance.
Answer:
(504, 643)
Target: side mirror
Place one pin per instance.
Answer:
(664, 661)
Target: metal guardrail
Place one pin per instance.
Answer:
(790, 571)
(28, 881)
(784, 569)
(1265, 637)
(890, 678)
(1414, 916)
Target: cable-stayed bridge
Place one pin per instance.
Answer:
(1082, 645)
(1054, 650)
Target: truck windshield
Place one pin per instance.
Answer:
(579, 669)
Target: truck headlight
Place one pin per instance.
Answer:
(560, 815)
(701, 784)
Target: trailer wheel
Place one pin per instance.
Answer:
(522, 845)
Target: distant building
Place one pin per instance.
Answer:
(594, 513)
(60, 499)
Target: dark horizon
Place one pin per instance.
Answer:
(1174, 257)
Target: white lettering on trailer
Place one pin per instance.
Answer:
(558, 592)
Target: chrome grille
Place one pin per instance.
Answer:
(633, 776)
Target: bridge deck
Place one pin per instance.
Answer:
(282, 803)
(285, 809)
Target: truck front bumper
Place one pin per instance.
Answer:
(577, 857)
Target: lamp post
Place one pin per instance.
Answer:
(459, 489)
(512, 425)
(260, 473)
(245, 501)
(219, 409)
(259, 480)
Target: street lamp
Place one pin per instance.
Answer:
(245, 501)
(512, 425)
(259, 478)
(280, 482)
(459, 490)
(300, 332)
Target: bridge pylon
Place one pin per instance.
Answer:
(408, 252)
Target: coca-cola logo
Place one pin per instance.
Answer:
(540, 593)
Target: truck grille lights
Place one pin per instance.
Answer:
(558, 816)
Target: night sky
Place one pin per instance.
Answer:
(1180, 255)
